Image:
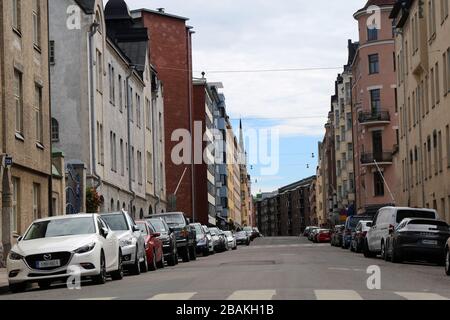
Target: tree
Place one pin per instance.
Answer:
(93, 200)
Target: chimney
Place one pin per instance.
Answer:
(162, 10)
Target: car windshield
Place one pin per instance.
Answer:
(353, 222)
(141, 226)
(241, 234)
(158, 225)
(174, 219)
(424, 214)
(116, 222)
(61, 228)
(248, 229)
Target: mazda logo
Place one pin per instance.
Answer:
(47, 257)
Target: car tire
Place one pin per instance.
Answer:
(367, 252)
(44, 284)
(144, 264)
(162, 263)
(152, 266)
(384, 254)
(118, 274)
(136, 268)
(447, 262)
(193, 253)
(396, 255)
(186, 256)
(101, 277)
(172, 261)
(18, 287)
(206, 252)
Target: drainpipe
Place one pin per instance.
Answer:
(93, 30)
(189, 34)
(130, 181)
(155, 141)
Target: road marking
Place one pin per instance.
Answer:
(421, 296)
(174, 296)
(339, 269)
(98, 299)
(337, 295)
(246, 295)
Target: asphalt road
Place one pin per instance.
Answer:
(270, 269)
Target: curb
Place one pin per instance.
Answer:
(4, 289)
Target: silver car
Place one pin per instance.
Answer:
(231, 239)
(131, 239)
(210, 239)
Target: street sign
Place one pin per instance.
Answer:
(8, 161)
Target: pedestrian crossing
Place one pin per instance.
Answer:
(268, 295)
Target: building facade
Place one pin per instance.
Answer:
(422, 50)
(375, 111)
(26, 161)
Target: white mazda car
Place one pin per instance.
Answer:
(60, 247)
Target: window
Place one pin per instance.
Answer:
(15, 206)
(100, 144)
(18, 91)
(131, 105)
(122, 163)
(16, 18)
(139, 160)
(378, 184)
(432, 18)
(448, 70)
(133, 165)
(149, 167)
(112, 92)
(374, 66)
(55, 130)
(148, 110)
(38, 113)
(138, 110)
(113, 151)
(99, 65)
(440, 154)
(372, 33)
(437, 86)
(36, 201)
(160, 123)
(161, 177)
(36, 23)
(51, 48)
(436, 154)
(447, 142)
(433, 90)
(120, 94)
(375, 100)
(349, 121)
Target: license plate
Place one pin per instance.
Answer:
(48, 264)
(430, 242)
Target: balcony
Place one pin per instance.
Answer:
(374, 117)
(381, 158)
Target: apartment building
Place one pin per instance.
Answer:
(233, 154)
(422, 50)
(375, 112)
(26, 155)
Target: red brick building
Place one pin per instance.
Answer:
(171, 55)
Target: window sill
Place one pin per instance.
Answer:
(40, 146)
(37, 48)
(17, 31)
(20, 137)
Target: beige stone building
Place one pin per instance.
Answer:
(25, 117)
(422, 49)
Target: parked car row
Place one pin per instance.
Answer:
(397, 235)
(318, 235)
(97, 246)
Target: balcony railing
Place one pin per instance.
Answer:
(371, 158)
(374, 116)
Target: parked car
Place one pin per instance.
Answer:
(323, 236)
(336, 236)
(359, 236)
(249, 231)
(202, 240)
(242, 238)
(256, 233)
(131, 241)
(153, 246)
(350, 226)
(386, 221)
(185, 234)
(53, 247)
(217, 240)
(231, 240)
(224, 240)
(308, 231)
(210, 239)
(413, 238)
(168, 239)
(447, 258)
(312, 234)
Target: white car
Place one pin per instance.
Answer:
(131, 239)
(56, 248)
(231, 240)
(386, 221)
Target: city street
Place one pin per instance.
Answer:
(270, 269)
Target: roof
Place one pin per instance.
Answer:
(401, 7)
(378, 3)
(88, 6)
(161, 13)
(117, 9)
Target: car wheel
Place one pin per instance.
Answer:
(18, 287)
(206, 252)
(101, 277)
(118, 274)
(396, 255)
(44, 284)
(384, 254)
(172, 258)
(144, 264)
(186, 257)
(367, 252)
(161, 264)
(193, 253)
(136, 268)
(153, 265)
(447, 262)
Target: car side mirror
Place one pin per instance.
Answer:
(19, 238)
(105, 232)
(136, 229)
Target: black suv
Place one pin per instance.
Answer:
(184, 233)
(168, 239)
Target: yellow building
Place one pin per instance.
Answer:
(422, 50)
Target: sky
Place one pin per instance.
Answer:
(238, 35)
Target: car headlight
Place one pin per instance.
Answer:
(15, 256)
(86, 248)
(126, 242)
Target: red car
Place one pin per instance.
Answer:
(153, 245)
(323, 235)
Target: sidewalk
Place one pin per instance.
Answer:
(3, 280)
